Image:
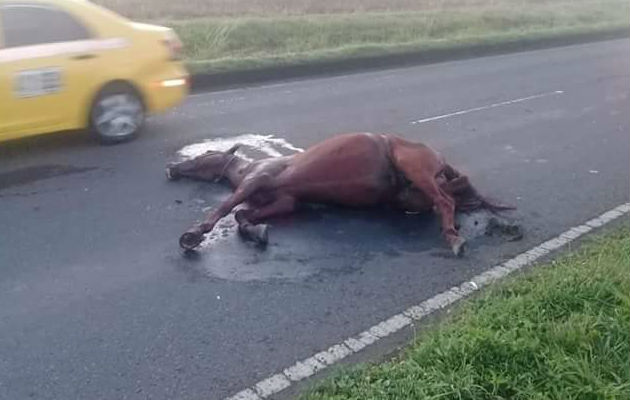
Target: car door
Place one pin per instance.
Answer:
(45, 54)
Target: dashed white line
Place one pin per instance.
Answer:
(308, 367)
(503, 103)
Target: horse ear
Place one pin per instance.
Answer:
(233, 149)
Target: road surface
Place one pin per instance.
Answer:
(98, 302)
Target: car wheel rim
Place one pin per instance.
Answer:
(118, 115)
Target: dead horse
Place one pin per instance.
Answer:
(355, 169)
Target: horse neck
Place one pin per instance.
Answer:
(236, 171)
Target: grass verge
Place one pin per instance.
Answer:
(561, 331)
(229, 43)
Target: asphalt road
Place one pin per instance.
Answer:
(98, 302)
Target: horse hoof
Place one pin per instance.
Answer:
(190, 240)
(256, 233)
(261, 235)
(171, 174)
(459, 247)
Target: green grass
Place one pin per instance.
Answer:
(228, 35)
(168, 9)
(227, 43)
(561, 331)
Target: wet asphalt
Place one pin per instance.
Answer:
(98, 302)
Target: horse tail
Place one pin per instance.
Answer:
(472, 201)
(467, 198)
(495, 207)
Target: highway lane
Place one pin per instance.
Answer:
(98, 301)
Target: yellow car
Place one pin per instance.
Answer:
(70, 64)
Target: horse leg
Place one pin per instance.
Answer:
(194, 236)
(422, 166)
(412, 200)
(445, 205)
(248, 219)
(442, 201)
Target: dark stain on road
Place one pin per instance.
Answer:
(23, 176)
(315, 242)
(323, 242)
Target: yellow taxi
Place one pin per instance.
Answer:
(70, 64)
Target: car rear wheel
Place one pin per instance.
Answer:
(117, 114)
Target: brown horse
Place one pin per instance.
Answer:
(356, 169)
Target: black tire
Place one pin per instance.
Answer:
(126, 118)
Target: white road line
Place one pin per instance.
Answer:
(310, 366)
(503, 103)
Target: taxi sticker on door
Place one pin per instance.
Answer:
(37, 82)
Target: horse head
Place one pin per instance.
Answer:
(210, 166)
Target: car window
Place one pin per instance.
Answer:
(26, 25)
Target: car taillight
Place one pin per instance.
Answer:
(174, 46)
